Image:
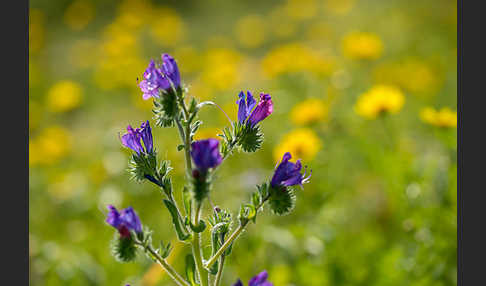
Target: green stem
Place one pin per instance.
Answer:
(217, 280)
(196, 251)
(170, 271)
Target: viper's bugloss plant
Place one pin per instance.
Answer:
(162, 82)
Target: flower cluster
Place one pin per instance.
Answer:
(163, 83)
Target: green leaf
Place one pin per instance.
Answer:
(180, 147)
(191, 270)
(180, 228)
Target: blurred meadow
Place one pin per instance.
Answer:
(364, 92)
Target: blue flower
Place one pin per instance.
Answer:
(205, 154)
(288, 173)
(125, 221)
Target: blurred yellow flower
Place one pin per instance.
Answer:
(52, 144)
(79, 14)
(444, 117)
(168, 28)
(302, 143)
(36, 30)
(220, 70)
(208, 132)
(187, 58)
(301, 9)
(295, 57)
(250, 31)
(378, 100)
(64, 96)
(280, 29)
(362, 45)
(309, 111)
(340, 7)
(411, 74)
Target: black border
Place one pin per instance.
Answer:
(14, 25)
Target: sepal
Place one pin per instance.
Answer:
(282, 200)
(165, 109)
(250, 138)
(123, 248)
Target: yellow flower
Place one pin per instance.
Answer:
(168, 28)
(295, 57)
(444, 117)
(52, 144)
(309, 111)
(64, 96)
(250, 31)
(362, 45)
(302, 143)
(380, 99)
(221, 68)
(79, 14)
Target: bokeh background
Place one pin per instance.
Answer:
(364, 92)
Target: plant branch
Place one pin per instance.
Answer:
(232, 238)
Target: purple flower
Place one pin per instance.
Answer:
(205, 154)
(124, 222)
(288, 173)
(160, 78)
(134, 137)
(244, 109)
(259, 280)
(263, 109)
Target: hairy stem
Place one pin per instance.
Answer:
(196, 251)
(217, 280)
(170, 271)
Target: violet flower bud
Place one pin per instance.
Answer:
(134, 137)
(258, 280)
(205, 154)
(263, 109)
